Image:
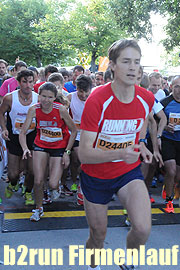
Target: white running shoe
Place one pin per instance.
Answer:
(37, 214)
(56, 193)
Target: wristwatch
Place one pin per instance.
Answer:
(143, 140)
(68, 152)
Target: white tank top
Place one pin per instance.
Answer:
(77, 107)
(19, 112)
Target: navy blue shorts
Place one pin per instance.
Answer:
(101, 190)
(52, 152)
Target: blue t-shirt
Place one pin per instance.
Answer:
(70, 87)
(172, 112)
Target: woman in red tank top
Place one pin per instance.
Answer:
(53, 142)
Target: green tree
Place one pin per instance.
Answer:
(170, 9)
(134, 16)
(93, 29)
(17, 28)
(52, 33)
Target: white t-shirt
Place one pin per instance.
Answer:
(160, 95)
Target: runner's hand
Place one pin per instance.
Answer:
(146, 155)
(65, 160)
(158, 158)
(5, 135)
(26, 153)
(131, 156)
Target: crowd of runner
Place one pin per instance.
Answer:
(108, 131)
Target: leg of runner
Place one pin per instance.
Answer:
(96, 215)
(13, 173)
(135, 199)
(39, 166)
(55, 172)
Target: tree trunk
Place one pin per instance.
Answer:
(39, 63)
(93, 65)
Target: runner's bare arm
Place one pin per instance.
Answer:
(71, 126)
(22, 136)
(69, 96)
(153, 134)
(90, 155)
(145, 153)
(5, 107)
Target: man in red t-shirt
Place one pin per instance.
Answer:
(113, 117)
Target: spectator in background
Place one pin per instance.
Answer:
(108, 76)
(165, 85)
(36, 73)
(3, 69)
(70, 75)
(41, 75)
(99, 77)
(11, 71)
(87, 72)
(48, 70)
(11, 84)
(65, 74)
(58, 80)
(93, 80)
(145, 81)
(155, 85)
(71, 86)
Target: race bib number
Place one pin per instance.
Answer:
(51, 134)
(174, 118)
(20, 121)
(114, 142)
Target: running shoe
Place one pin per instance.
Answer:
(127, 267)
(28, 199)
(23, 190)
(9, 191)
(128, 222)
(74, 188)
(169, 207)
(151, 199)
(16, 187)
(124, 211)
(113, 198)
(47, 198)
(56, 194)
(163, 193)
(37, 214)
(176, 191)
(80, 198)
(80, 202)
(154, 183)
(66, 191)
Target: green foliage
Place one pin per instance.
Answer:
(171, 9)
(17, 29)
(134, 16)
(59, 31)
(93, 29)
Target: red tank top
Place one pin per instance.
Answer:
(52, 132)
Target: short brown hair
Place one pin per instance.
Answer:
(4, 62)
(54, 77)
(119, 45)
(156, 75)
